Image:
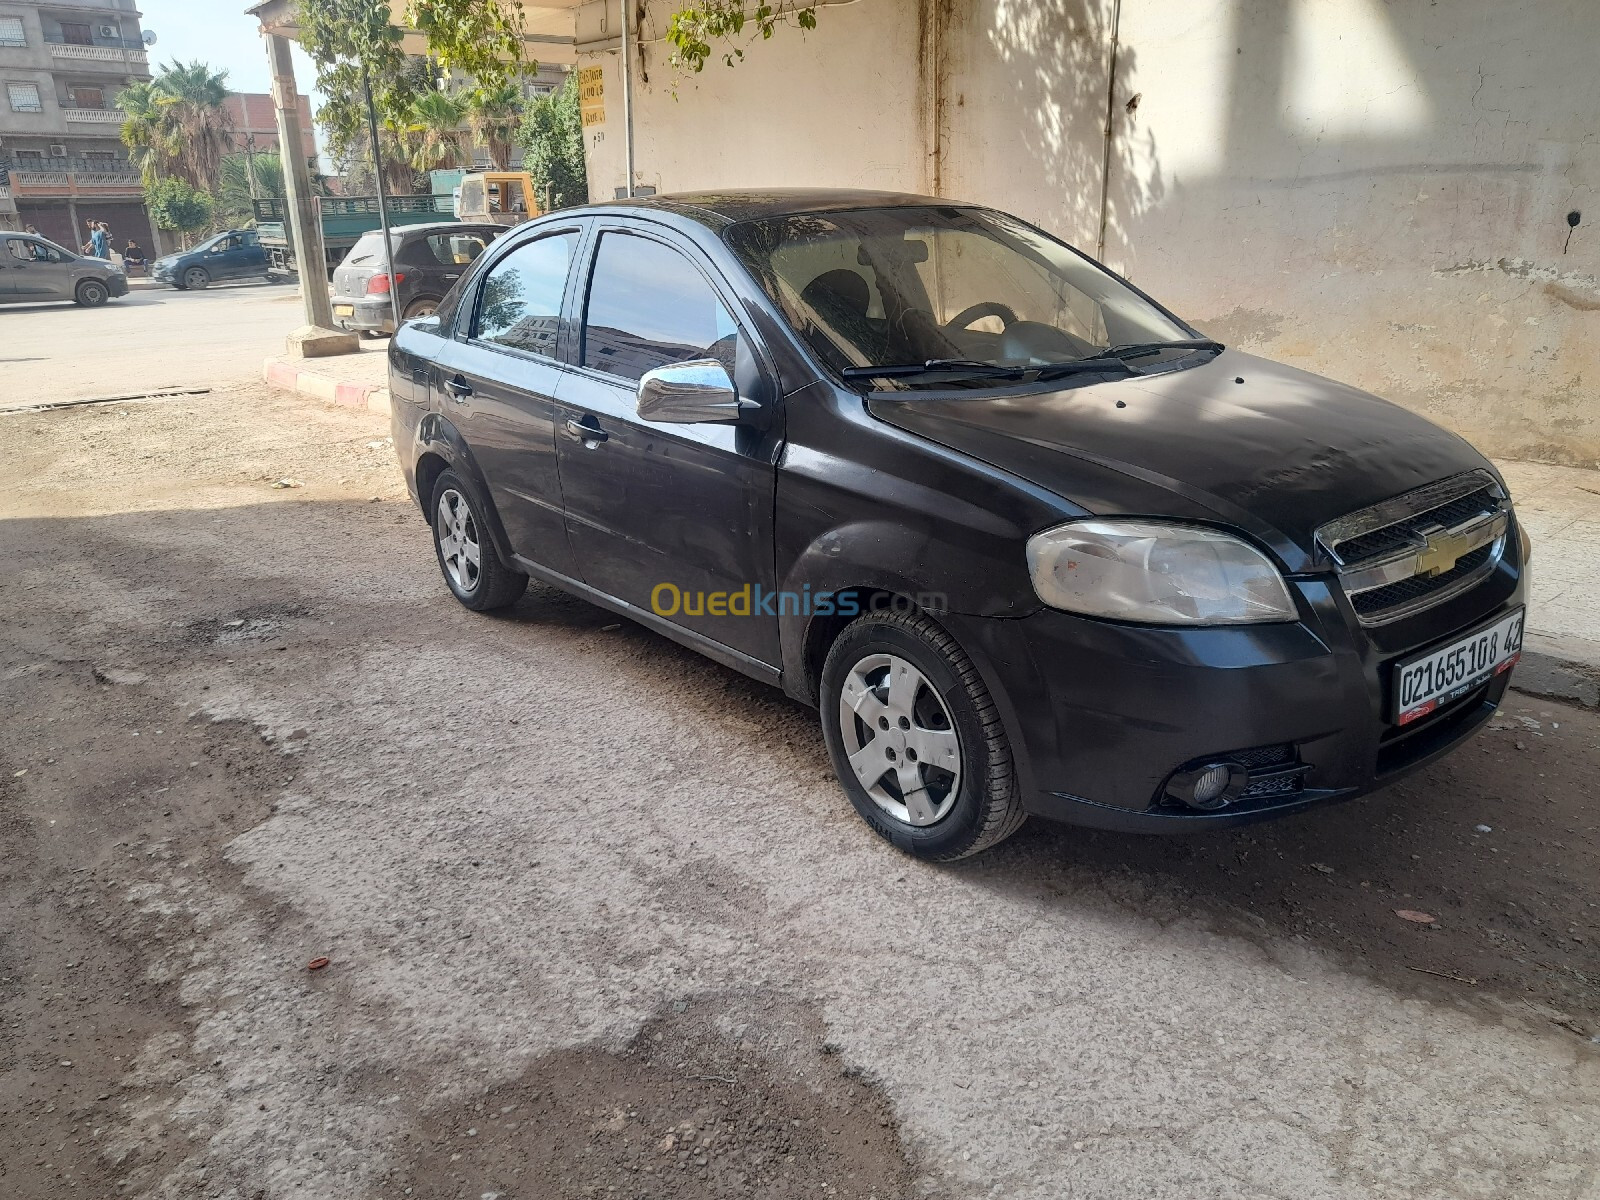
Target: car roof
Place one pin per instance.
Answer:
(722, 208)
(430, 228)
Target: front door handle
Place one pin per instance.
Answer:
(459, 388)
(585, 430)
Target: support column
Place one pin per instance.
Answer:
(317, 338)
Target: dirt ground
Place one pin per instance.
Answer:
(599, 923)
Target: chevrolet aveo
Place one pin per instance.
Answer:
(1028, 542)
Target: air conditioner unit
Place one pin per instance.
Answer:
(110, 31)
(58, 151)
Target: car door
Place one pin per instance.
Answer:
(496, 381)
(38, 272)
(658, 511)
(14, 253)
(252, 258)
(228, 258)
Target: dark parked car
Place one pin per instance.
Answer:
(236, 254)
(428, 259)
(1030, 542)
(34, 270)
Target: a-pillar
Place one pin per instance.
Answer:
(317, 338)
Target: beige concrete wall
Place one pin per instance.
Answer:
(1373, 189)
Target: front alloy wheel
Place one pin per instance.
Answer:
(901, 742)
(915, 738)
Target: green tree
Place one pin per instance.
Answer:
(191, 96)
(147, 132)
(235, 196)
(691, 30)
(435, 131)
(495, 115)
(552, 136)
(176, 204)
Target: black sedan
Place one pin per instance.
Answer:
(428, 259)
(1028, 541)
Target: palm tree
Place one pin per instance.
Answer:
(496, 119)
(435, 131)
(193, 94)
(236, 192)
(148, 131)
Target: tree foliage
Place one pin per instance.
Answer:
(236, 196)
(496, 118)
(177, 124)
(552, 136)
(176, 204)
(435, 131)
(692, 30)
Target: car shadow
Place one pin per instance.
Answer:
(1496, 844)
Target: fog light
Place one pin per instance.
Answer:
(1209, 786)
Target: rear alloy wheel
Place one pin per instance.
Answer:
(92, 293)
(196, 279)
(468, 559)
(423, 306)
(915, 738)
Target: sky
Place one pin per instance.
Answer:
(218, 32)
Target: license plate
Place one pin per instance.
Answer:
(1436, 677)
(344, 310)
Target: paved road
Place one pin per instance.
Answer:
(601, 924)
(146, 340)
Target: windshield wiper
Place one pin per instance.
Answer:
(973, 369)
(1141, 349)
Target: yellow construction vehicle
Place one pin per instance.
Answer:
(498, 197)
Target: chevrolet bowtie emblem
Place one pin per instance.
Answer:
(1442, 549)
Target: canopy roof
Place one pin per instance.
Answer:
(548, 28)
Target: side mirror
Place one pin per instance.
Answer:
(690, 393)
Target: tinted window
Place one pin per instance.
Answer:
(649, 306)
(19, 249)
(445, 249)
(521, 302)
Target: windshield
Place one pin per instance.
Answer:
(896, 286)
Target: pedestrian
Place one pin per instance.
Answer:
(133, 260)
(33, 229)
(99, 242)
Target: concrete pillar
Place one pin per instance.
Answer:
(318, 338)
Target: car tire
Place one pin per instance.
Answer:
(91, 293)
(422, 306)
(196, 279)
(467, 558)
(899, 681)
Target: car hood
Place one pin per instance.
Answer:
(1265, 448)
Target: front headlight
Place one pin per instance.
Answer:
(1156, 574)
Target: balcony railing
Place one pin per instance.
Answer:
(122, 52)
(117, 43)
(104, 114)
(83, 175)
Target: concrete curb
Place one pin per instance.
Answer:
(291, 377)
(1559, 668)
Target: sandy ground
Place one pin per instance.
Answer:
(600, 924)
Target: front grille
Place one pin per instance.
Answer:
(1399, 535)
(1280, 785)
(1418, 549)
(1408, 591)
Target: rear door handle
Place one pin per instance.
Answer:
(459, 388)
(585, 430)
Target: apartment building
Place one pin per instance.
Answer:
(62, 161)
(255, 122)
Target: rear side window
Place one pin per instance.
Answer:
(368, 251)
(649, 306)
(446, 249)
(520, 305)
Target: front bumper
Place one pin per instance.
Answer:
(374, 315)
(1103, 714)
(167, 275)
(117, 284)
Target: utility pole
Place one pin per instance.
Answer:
(318, 337)
(383, 200)
(627, 95)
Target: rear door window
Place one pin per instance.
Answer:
(649, 306)
(519, 305)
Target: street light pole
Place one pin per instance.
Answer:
(383, 201)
